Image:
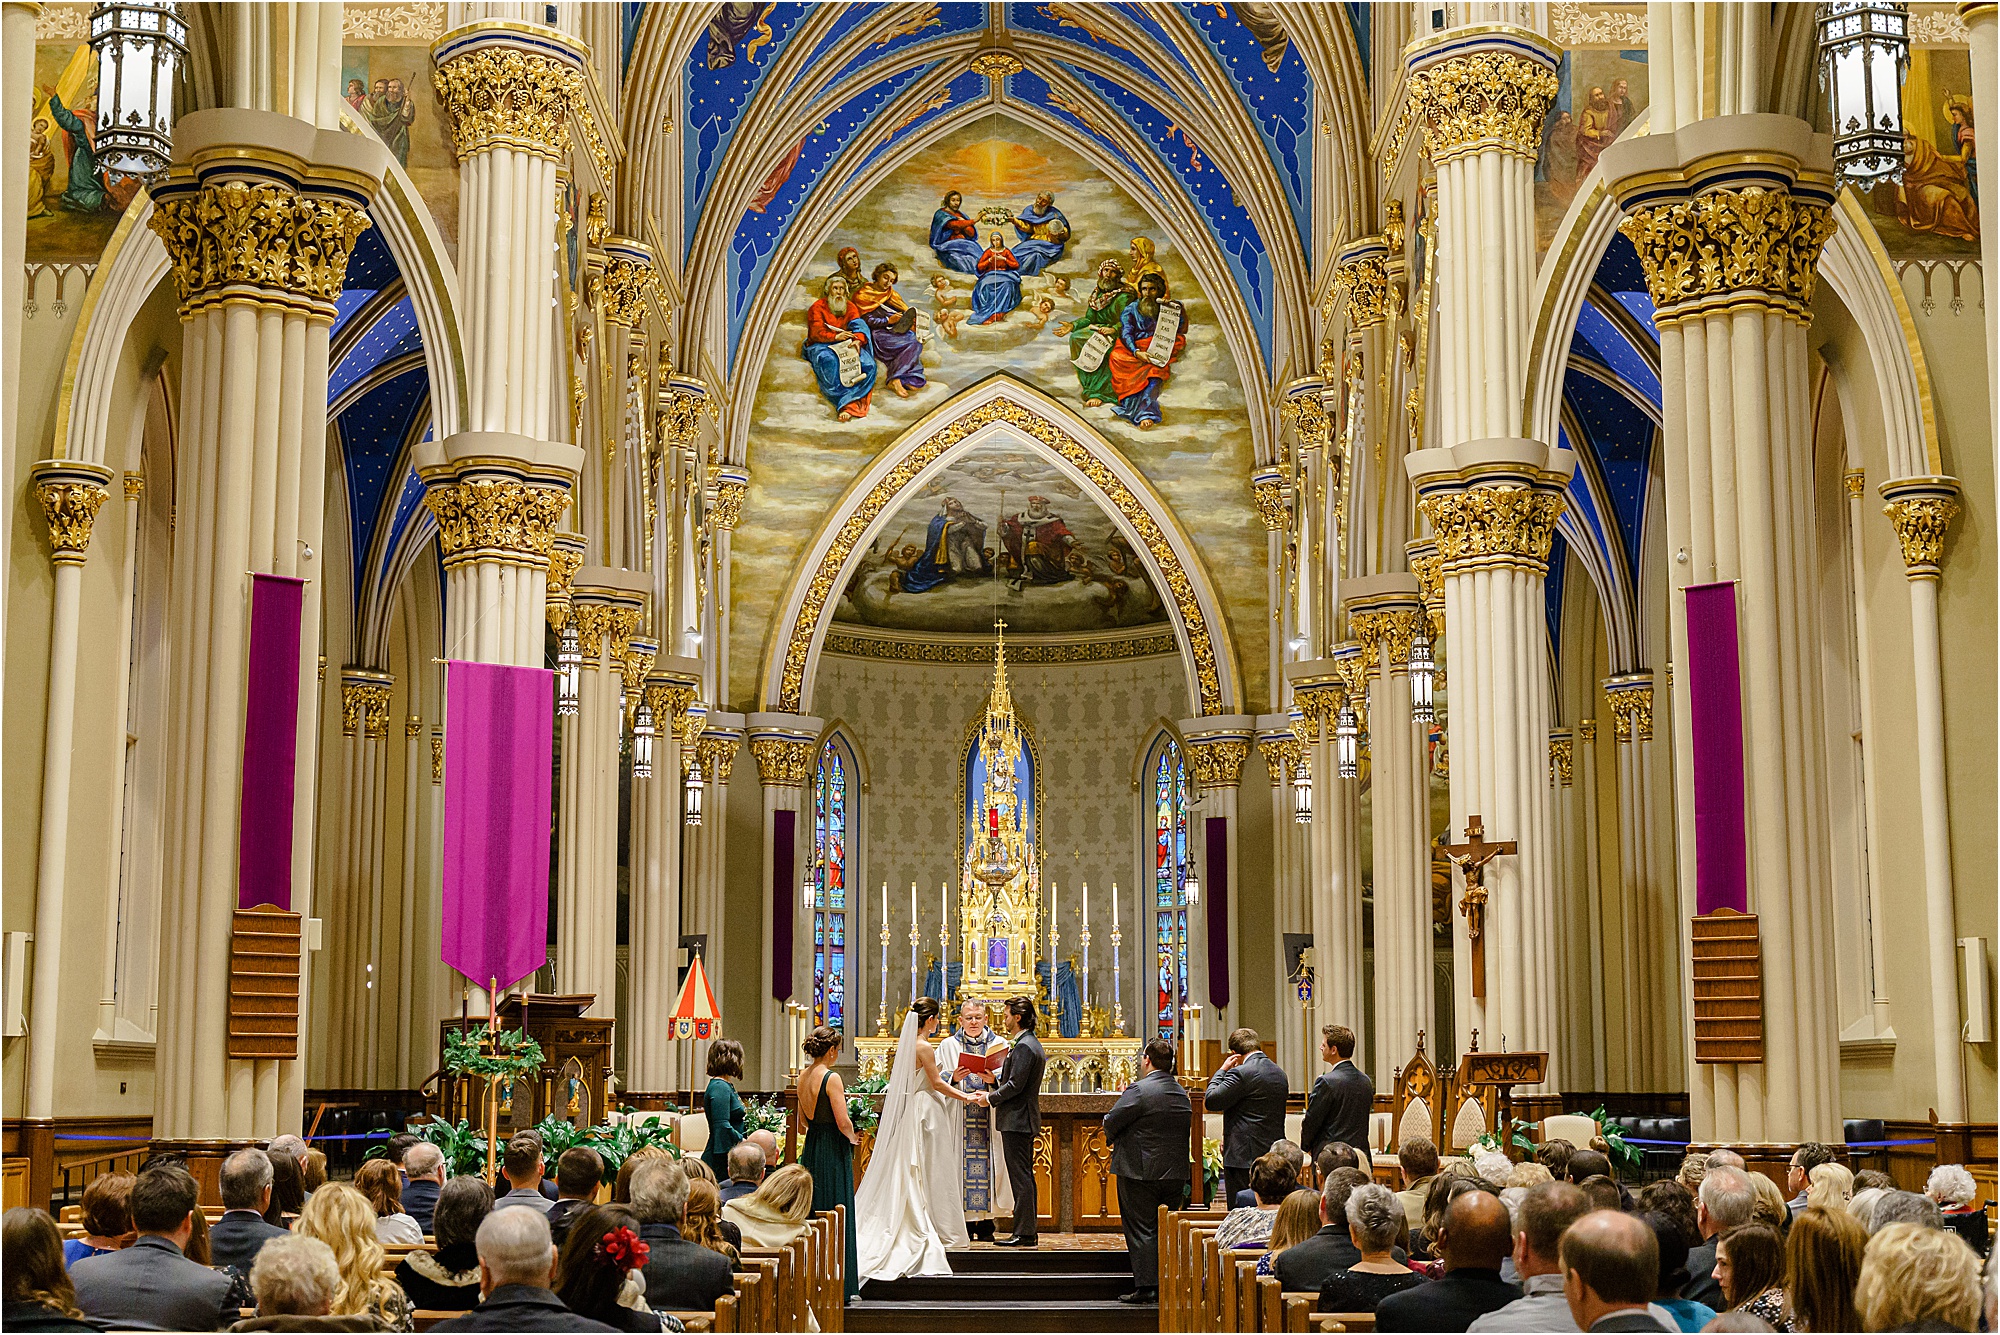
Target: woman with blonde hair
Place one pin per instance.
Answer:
(1770, 1207)
(1829, 1187)
(341, 1217)
(1297, 1220)
(1822, 1263)
(776, 1212)
(1914, 1277)
(701, 1222)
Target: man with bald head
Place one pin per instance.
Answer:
(1611, 1268)
(517, 1262)
(1473, 1238)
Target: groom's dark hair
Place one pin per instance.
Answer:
(1022, 1009)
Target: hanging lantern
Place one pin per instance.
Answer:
(642, 742)
(809, 888)
(691, 794)
(1347, 743)
(1423, 677)
(1864, 52)
(569, 668)
(1302, 790)
(140, 46)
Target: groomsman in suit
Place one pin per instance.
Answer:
(1148, 1131)
(1249, 1090)
(1341, 1099)
(1017, 1115)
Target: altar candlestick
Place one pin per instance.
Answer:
(882, 988)
(913, 943)
(1117, 972)
(944, 942)
(1083, 939)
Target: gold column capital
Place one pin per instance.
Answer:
(1921, 508)
(1730, 248)
(1561, 759)
(1376, 626)
(730, 485)
(500, 92)
(1481, 89)
(1480, 527)
(364, 703)
(1630, 699)
(1281, 753)
(636, 662)
(1855, 481)
(621, 291)
(565, 559)
(1361, 275)
(1427, 564)
(718, 755)
(496, 518)
(604, 628)
(254, 240)
(1217, 762)
(1586, 730)
(683, 403)
(135, 486)
(782, 762)
(70, 492)
(413, 727)
(1304, 408)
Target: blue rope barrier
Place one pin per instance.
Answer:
(382, 1133)
(1852, 1144)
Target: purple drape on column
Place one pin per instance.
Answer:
(1215, 842)
(499, 739)
(270, 743)
(784, 884)
(1715, 722)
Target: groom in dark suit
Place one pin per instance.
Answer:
(1017, 1114)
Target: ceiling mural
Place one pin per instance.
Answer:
(998, 250)
(1001, 533)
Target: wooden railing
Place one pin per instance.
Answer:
(1204, 1287)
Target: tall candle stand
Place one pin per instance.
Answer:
(1083, 989)
(944, 963)
(882, 993)
(913, 959)
(1117, 973)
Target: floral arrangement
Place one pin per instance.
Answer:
(622, 1248)
(862, 1110)
(765, 1114)
(1211, 1168)
(615, 1142)
(514, 1054)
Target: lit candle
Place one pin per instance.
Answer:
(1114, 906)
(1086, 905)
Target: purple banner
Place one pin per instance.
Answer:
(1715, 722)
(784, 886)
(270, 743)
(498, 747)
(1215, 853)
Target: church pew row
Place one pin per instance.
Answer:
(1206, 1288)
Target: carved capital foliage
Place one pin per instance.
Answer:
(1281, 756)
(1631, 705)
(1364, 281)
(782, 762)
(1586, 730)
(1218, 762)
(364, 707)
(1427, 564)
(1268, 487)
(718, 756)
(636, 662)
(1920, 525)
(503, 97)
(1493, 526)
(1561, 758)
(69, 504)
(1395, 627)
(1730, 247)
(727, 510)
(602, 627)
(437, 758)
(1307, 415)
(225, 234)
(565, 559)
(496, 519)
(621, 293)
(682, 406)
(1317, 703)
(1483, 101)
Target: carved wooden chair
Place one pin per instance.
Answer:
(1416, 1104)
(1474, 1110)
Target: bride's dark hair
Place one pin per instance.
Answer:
(925, 1009)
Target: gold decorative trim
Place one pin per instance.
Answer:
(1267, 487)
(409, 22)
(364, 704)
(1482, 527)
(224, 234)
(565, 559)
(1562, 758)
(782, 762)
(1178, 583)
(1362, 278)
(1217, 762)
(621, 290)
(602, 626)
(1728, 248)
(135, 486)
(1921, 509)
(1396, 627)
(727, 507)
(1575, 24)
(504, 97)
(437, 756)
(1856, 481)
(718, 756)
(996, 64)
(849, 645)
(1281, 755)
(1630, 700)
(1428, 567)
(496, 519)
(1482, 101)
(1586, 731)
(70, 497)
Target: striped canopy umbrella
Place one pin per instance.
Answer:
(694, 1015)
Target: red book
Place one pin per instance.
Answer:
(970, 1063)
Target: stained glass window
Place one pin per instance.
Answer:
(1170, 856)
(830, 848)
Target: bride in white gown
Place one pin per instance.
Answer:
(909, 1207)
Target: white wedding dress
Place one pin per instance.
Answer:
(909, 1207)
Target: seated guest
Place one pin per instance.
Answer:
(1289, 1151)
(1473, 1238)
(1610, 1264)
(516, 1263)
(382, 1183)
(621, 1190)
(1546, 1211)
(39, 1294)
(288, 1189)
(600, 1269)
(1602, 1192)
(1525, 1176)
(1862, 1207)
(1750, 1267)
(107, 1222)
(1905, 1207)
(679, 1274)
(399, 1145)
(446, 1279)
(1453, 1180)
(1957, 1196)
(1917, 1278)
(234, 1239)
(579, 1170)
(1724, 1202)
(1298, 1219)
(1798, 1178)
(1693, 1167)
(1555, 1155)
(1306, 1266)
(776, 1212)
(1272, 1178)
(423, 1179)
(1374, 1221)
(523, 1170)
(1588, 1163)
(341, 1217)
(1822, 1266)
(1726, 1159)
(152, 1283)
(312, 1169)
(1671, 1234)
(766, 1141)
(1872, 1179)
(1770, 1207)
(1828, 1187)
(295, 1280)
(1335, 1154)
(746, 1170)
(703, 1225)
(1419, 1160)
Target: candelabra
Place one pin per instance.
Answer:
(1083, 987)
(882, 993)
(944, 968)
(1117, 987)
(913, 959)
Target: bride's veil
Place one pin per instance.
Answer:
(896, 1224)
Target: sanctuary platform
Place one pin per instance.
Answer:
(1070, 1283)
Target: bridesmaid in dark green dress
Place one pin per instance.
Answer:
(830, 1137)
(727, 1124)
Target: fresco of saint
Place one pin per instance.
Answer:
(1137, 370)
(1038, 545)
(898, 348)
(953, 545)
(998, 291)
(1044, 233)
(391, 112)
(837, 348)
(1093, 331)
(954, 237)
(1936, 193)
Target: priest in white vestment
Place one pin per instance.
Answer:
(986, 1191)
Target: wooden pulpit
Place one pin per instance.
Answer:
(1499, 1072)
(576, 1058)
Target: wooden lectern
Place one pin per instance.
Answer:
(1498, 1073)
(576, 1058)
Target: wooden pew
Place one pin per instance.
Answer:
(1338, 1321)
(726, 1313)
(1247, 1312)
(1299, 1309)
(1270, 1303)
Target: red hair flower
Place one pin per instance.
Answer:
(622, 1247)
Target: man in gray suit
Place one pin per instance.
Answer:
(1148, 1132)
(1017, 1115)
(1249, 1090)
(151, 1285)
(241, 1233)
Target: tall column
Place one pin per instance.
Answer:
(1590, 887)
(785, 747)
(1333, 880)
(1577, 1021)
(1922, 509)
(1649, 933)
(1383, 612)
(258, 215)
(658, 862)
(1756, 192)
(107, 996)
(1982, 22)
(707, 844)
(1217, 747)
(607, 607)
(1280, 749)
(70, 494)
(17, 79)
(350, 908)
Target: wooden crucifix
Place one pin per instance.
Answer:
(1471, 858)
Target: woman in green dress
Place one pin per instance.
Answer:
(830, 1137)
(727, 1124)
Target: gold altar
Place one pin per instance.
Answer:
(1075, 1065)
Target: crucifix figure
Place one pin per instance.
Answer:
(1471, 858)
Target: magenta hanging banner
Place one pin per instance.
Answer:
(270, 743)
(1715, 722)
(499, 737)
(784, 884)
(1215, 845)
